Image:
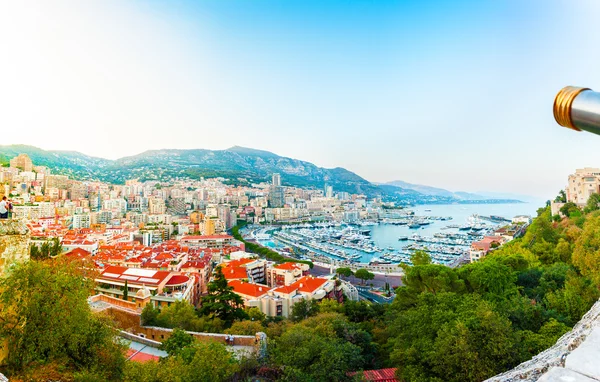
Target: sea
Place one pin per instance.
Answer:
(386, 236)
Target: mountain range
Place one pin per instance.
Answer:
(238, 165)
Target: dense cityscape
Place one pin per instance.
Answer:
(162, 253)
(299, 191)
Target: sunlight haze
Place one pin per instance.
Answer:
(449, 94)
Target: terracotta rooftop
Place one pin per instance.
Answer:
(235, 273)
(288, 266)
(381, 375)
(206, 237)
(178, 280)
(248, 289)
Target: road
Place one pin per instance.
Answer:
(378, 281)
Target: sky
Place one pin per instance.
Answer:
(454, 94)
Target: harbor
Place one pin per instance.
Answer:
(382, 242)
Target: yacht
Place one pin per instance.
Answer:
(401, 238)
(414, 225)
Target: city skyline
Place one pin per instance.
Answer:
(456, 96)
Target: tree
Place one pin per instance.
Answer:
(45, 318)
(56, 248)
(149, 315)
(197, 362)
(420, 258)
(310, 354)
(570, 209)
(561, 197)
(245, 328)
(346, 272)
(125, 291)
(586, 255)
(222, 302)
(304, 308)
(254, 314)
(421, 339)
(593, 203)
(34, 252)
(182, 315)
(364, 275)
(178, 340)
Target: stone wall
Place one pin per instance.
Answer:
(14, 242)
(533, 369)
(161, 334)
(14, 246)
(130, 322)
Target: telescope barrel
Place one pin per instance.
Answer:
(578, 109)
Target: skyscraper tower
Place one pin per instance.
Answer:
(276, 179)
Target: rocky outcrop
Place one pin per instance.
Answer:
(557, 355)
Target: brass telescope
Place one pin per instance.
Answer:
(578, 109)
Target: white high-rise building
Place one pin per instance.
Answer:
(276, 179)
(329, 192)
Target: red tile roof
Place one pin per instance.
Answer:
(206, 237)
(287, 266)
(307, 284)
(237, 263)
(381, 375)
(234, 273)
(249, 289)
(310, 284)
(287, 289)
(78, 252)
(178, 280)
(144, 357)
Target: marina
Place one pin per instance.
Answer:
(444, 237)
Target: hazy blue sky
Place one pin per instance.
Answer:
(456, 94)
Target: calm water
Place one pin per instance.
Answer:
(386, 235)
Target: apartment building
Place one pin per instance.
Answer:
(144, 286)
(583, 183)
(279, 301)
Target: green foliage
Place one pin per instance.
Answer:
(221, 301)
(45, 318)
(364, 275)
(420, 258)
(178, 340)
(303, 309)
(245, 328)
(451, 337)
(570, 209)
(203, 362)
(46, 250)
(561, 197)
(593, 203)
(181, 315)
(318, 350)
(586, 255)
(125, 291)
(344, 271)
(254, 314)
(149, 315)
